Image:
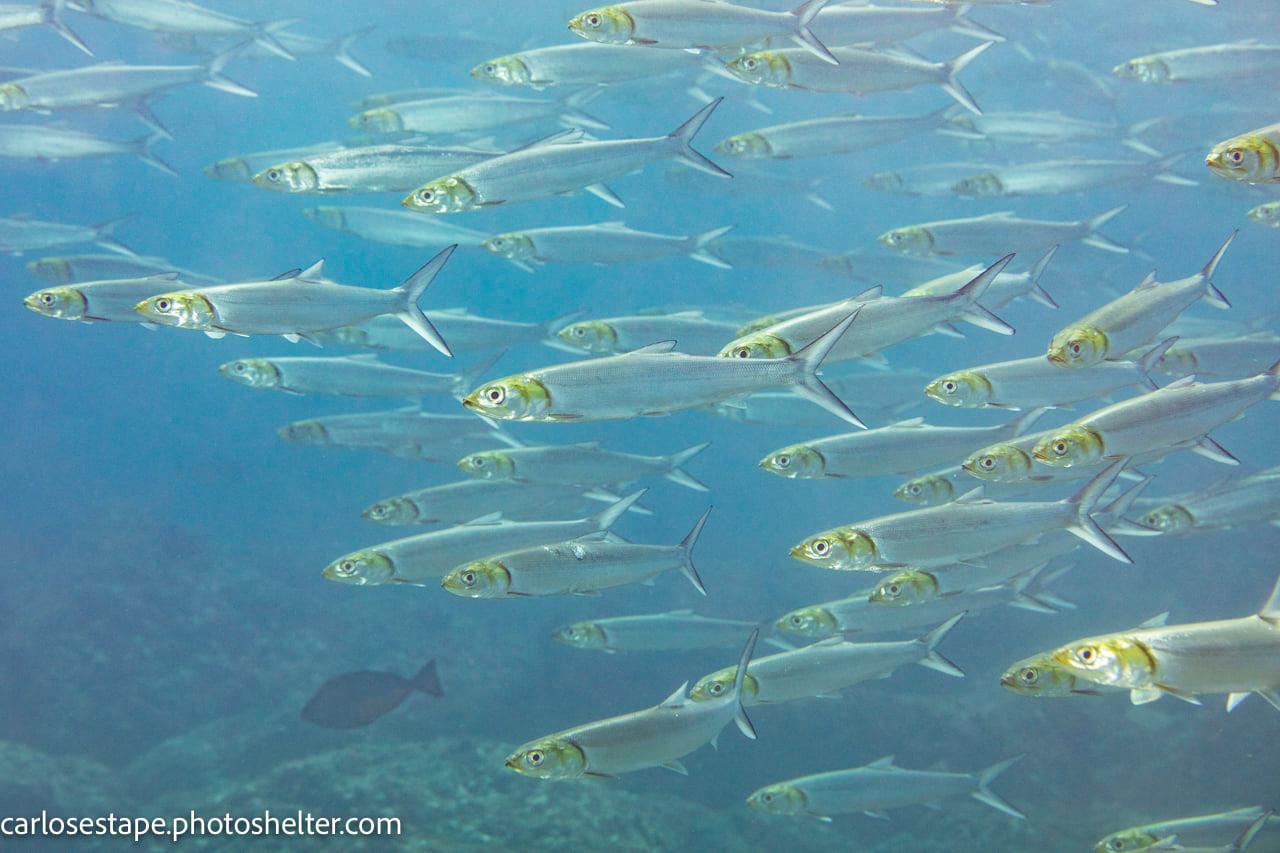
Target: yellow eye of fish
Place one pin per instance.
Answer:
(535, 758)
(1029, 675)
(1086, 654)
(1236, 155)
(496, 394)
(1075, 347)
(821, 547)
(46, 298)
(469, 578)
(163, 304)
(742, 352)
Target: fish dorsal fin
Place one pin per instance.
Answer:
(686, 315)
(312, 272)
(1184, 382)
(615, 224)
(654, 348)
(1156, 621)
(583, 445)
(678, 699)
(600, 536)
(907, 424)
(972, 496)
(999, 214)
(293, 273)
(163, 276)
(1271, 610)
(364, 356)
(564, 137)
(1148, 282)
(885, 763)
(490, 518)
(869, 294)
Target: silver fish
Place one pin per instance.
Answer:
(820, 137)
(965, 528)
(348, 376)
(697, 334)
(20, 234)
(875, 787)
(582, 566)
(1235, 503)
(296, 304)
(1047, 128)
(71, 268)
(997, 232)
(453, 114)
(1199, 830)
(416, 559)
(406, 432)
(1179, 415)
(857, 71)
(47, 13)
(585, 464)
(654, 737)
(1067, 176)
(1203, 64)
(1242, 355)
(652, 632)
(368, 169)
(458, 503)
(40, 142)
(692, 24)
(561, 164)
(394, 227)
(656, 381)
(582, 64)
(242, 168)
(465, 332)
(183, 16)
(827, 667)
(883, 321)
(896, 449)
(935, 179)
(858, 23)
(892, 392)
(1027, 383)
(100, 301)
(602, 243)
(1238, 657)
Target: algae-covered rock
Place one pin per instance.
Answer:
(32, 782)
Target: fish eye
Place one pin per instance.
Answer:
(593, 20)
(1028, 675)
(768, 798)
(742, 352)
(1075, 347)
(749, 63)
(348, 566)
(987, 463)
(535, 758)
(1116, 844)
(715, 688)
(821, 547)
(796, 620)
(949, 387)
(489, 68)
(46, 298)
(1236, 156)
(579, 332)
(569, 632)
(914, 489)
(469, 578)
(893, 589)
(273, 174)
(496, 394)
(163, 304)
(1086, 654)
(477, 461)
(426, 196)
(783, 460)
(239, 367)
(1060, 448)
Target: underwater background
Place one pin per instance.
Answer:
(162, 612)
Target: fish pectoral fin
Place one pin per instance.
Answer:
(216, 334)
(605, 194)
(587, 593)
(1143, 695)
(1210, 449)
(876, 815)
(1234, 699)
(675, 766)
(595, 775)
(1179, 694)
(292, 338)
(655, 414)
(559, 416)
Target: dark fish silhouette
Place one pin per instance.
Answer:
(356, 699)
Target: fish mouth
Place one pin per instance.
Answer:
(512, 763)
(1057, 358)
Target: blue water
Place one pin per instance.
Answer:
(164, 617)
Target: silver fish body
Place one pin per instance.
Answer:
(349, 376)
(1005, 288)
(458, 503)
(86, 268)
(40, 142)
(1204, 64)
(995, 233)
(584, 464)
(394, 227)
(243, 167)
(819, 137)
(1201, 830)
(1027, 383)
(454, 114)
(654, 632)
(106, 84)
(890, 392)
(692, 331)
(464, 331)
(842, 23)
(368, 169)
(582, 64)
(23, 234)
(602, 243)
(1238, 503)
(100, 301)
(935, 179)
(1231, 357)
(1065, 176)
